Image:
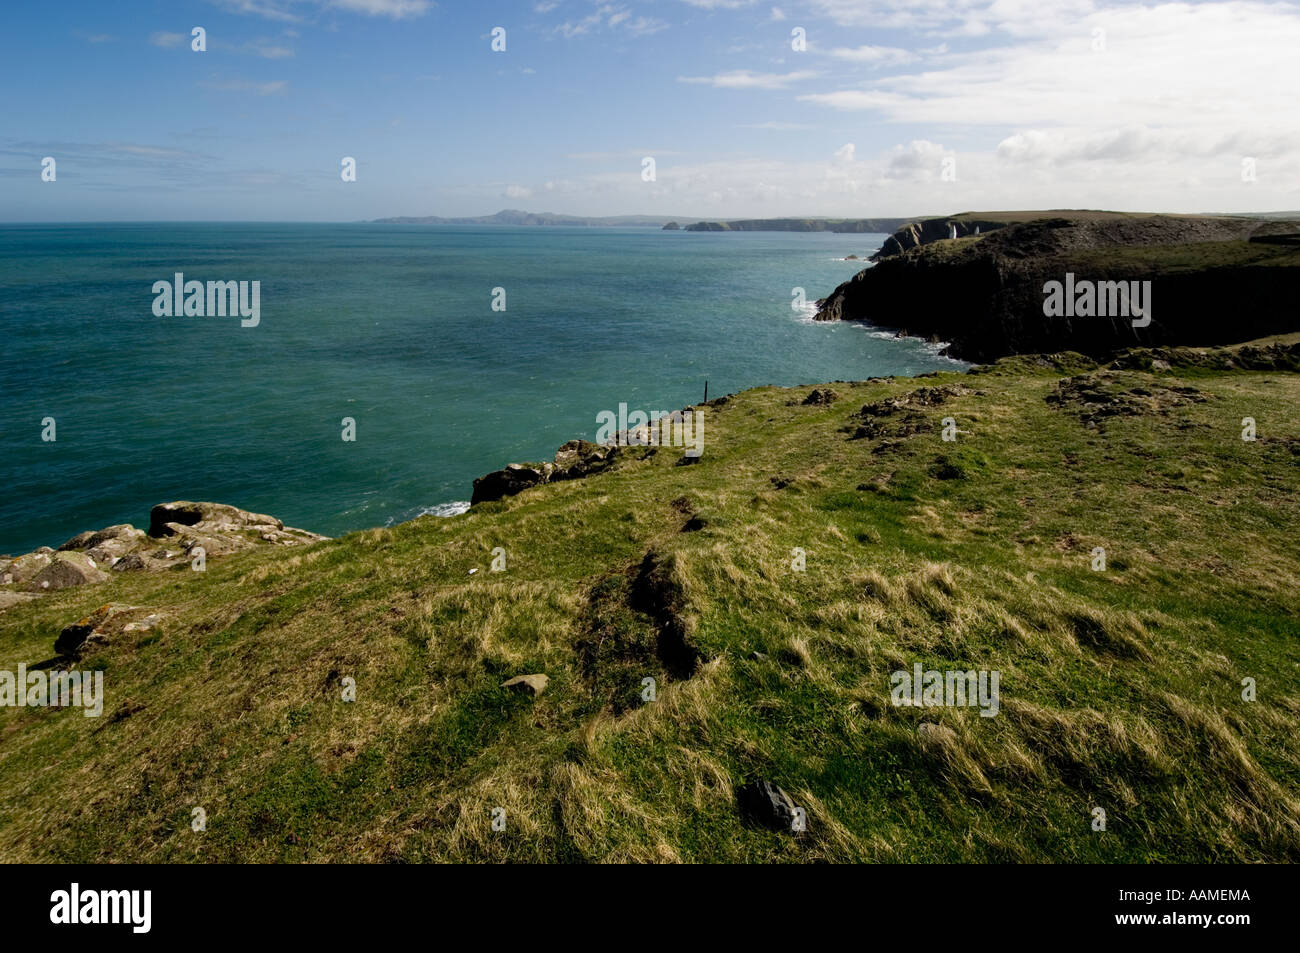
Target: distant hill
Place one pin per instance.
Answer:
(884, 225)
(670, 223)
(516, 217)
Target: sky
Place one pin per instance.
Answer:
(844, 108)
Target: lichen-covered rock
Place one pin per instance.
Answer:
(25, 568)
(171, 519)
(65, 570)
(102, 626)
(141, 562)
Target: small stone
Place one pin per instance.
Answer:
(532, 684)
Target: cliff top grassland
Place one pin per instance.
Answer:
(1121, 688)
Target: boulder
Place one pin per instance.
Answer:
(514, 478)
(763, 803)
(80, 541)
(66, 570)
(101, 626)
(170, 519)
(530, 684)
(213, 545)
(140, 562)
(25, 568)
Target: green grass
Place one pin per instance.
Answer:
(1120, 689)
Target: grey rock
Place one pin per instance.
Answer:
(66, 570)
(531, 684)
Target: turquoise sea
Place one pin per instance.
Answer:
(392, 326)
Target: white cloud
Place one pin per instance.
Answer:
(266, 49)
(394, 9)
(517, 192)
(746, 79)
(287, 10)
(1155, 71)
(609, 17)
(167, 40)
(875, 55)
(719, 4)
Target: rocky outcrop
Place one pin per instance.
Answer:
(574, 460)
(1213, 281)
(103, 626)
(66, 570)
(182, 527)
(929, 230)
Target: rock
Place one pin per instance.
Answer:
(214, 545)
(147, 624)
(762, 802)
(140, 562)
(821, 398)
(98, 629)
(579, 458)
(532, 684)
(80, 541)
(67, 569)
(170, 519)
(25, 568)
(514, 478)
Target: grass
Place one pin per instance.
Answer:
(1120, 689)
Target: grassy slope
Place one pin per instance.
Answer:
(1119, 689)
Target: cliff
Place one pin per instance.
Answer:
(1213, 281)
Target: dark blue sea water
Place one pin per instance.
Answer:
(392, 326)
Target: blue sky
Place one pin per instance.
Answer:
(1023, 103)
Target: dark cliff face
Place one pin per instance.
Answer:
(1209, 285)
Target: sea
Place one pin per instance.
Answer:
(453, 350)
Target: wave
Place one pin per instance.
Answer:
(805, 314)
(935, 348)
(454, 508)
